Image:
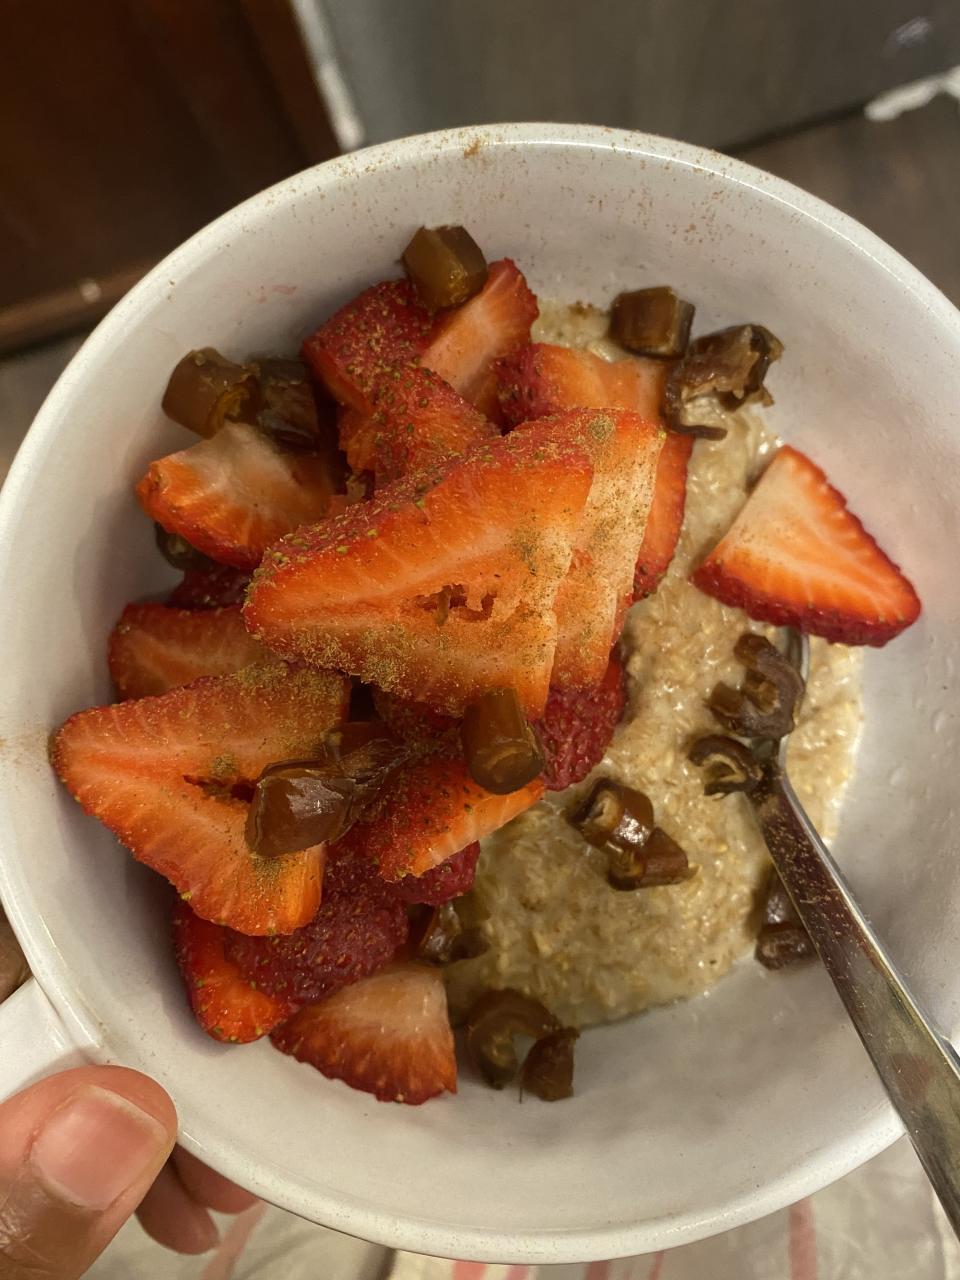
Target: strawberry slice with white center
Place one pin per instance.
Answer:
(665, 520)
(594, 596)
(154, 647)
(469, 340)
(169, 776)
(796, 556)
(541, 378)
(384, 327)
(235, 494)
(225, 1005)
(388, 1035)
(431, 811)
(443, 585)
(419, 421)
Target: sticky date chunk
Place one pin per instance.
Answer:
(446, 266)
(286, 407)
(179, 553)
(548, 1069)
(502, 751)
(492, 1025)
(619, 821)
(652, 322)
(768, 699)
(782, 940)
(730, 765)
(206, 389)
(445, 940)
(729, 367)
(299, 803)
(493, 1022)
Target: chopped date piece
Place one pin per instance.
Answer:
(652, 322)
(446, 265)
(730, 765)
(206, 390)
(767, 701)
(501, 749)
(444, 940)
(619, 820)
(178, 553)
(728, 366)
(298, 803)
(660, 862)
(493, 1022)
(796, 556)
(548, 1068)
(614, 817)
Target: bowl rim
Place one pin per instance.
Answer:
(817, 1169)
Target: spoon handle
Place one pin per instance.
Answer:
(919, 1068)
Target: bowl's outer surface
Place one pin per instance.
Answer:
(686, 1121)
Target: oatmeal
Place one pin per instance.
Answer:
(557, 931)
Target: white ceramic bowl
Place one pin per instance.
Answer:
(686, 1121)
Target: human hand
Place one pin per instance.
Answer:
(83, 1150)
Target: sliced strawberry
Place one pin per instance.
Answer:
(226, 1005)
(154, 648)
(355, 932)
(578, 724)
(665, 520)
(624, 449)
(386, 326)
(449, 880)
(429, 812)
(235, 494)
(213, 587)
(795, 556)
(388, 1035)
(469, 340)
(166, 775)
(416, 724)
(442, 585)
(540, 379)
(418, 420)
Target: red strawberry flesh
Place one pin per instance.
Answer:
(388, 1035)
(665, 521)
(540, 379)
(154, 648)
(225, 1004)
(166, 774)
(235, 494)
(578, 725)
(796, 556)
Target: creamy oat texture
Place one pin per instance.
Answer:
(556, 930)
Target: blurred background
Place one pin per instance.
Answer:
(127, 124)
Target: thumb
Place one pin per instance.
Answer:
(78, 1152)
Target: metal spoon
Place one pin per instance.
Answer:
(919, 1068)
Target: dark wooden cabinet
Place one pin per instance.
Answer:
(125, 125)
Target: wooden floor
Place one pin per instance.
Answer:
(902, 179)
